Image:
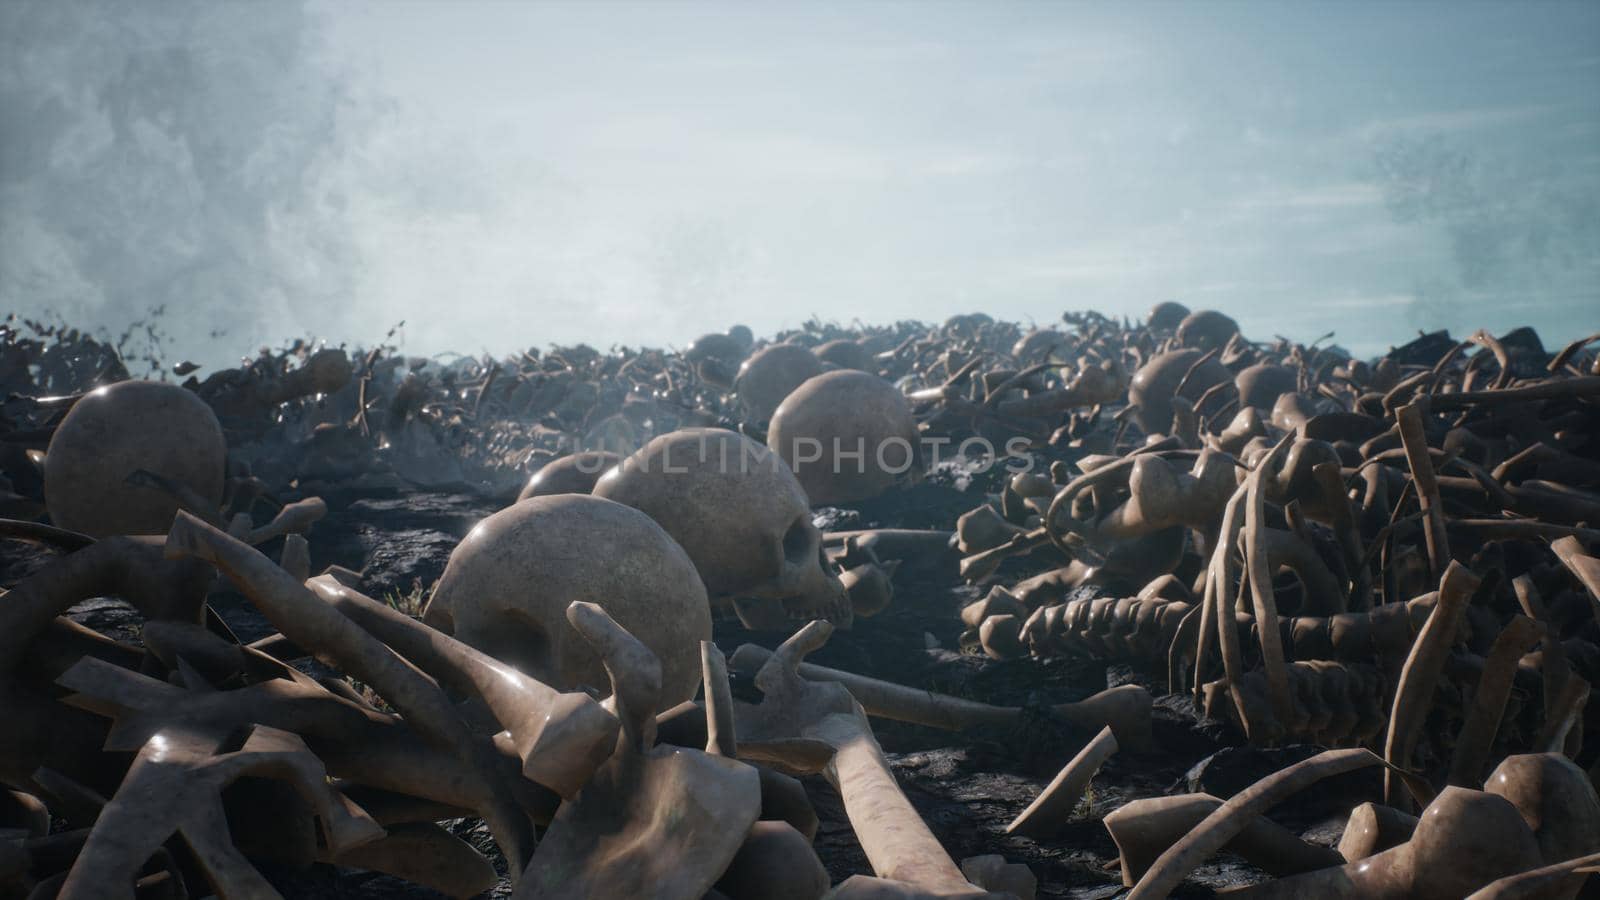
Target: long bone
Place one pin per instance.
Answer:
(1414, 694)
(662, 822)
(423, 853)
(1259, 574)
(1321, 593)
(1125, 709)
(1143, 829)
(1217, 613)
(1416, 446)
(1552, 882)
(310, 622)
(897, 842)
(1585, 567)
(1534, 807)
(560, 737)
(130, 568)
(175, 785)
(1055, 803)
(1235, 815)
(355, 741)
(1463, 841)
(1477, 735)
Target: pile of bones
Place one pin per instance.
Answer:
(1155, 539)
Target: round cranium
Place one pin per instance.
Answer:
(846, 354)
(1166, 316)
(1262, 384)
(122, 428)
(574, 473)
(1207, 329)
(507, 587)
(847, 435)
(722, 346)
(1156, 382)
(740, 514)
(768, 377)
(1039, 345)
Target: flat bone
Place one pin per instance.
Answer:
(175, 785)
(660, 822)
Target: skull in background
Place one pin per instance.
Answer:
(768, 377)
(848, 436)
(742, 517)
(508, 584)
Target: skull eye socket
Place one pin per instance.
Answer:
(797, 542)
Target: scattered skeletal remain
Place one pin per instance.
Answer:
(742, 517)
(1056, 802)
(1144, 829)
(175, 784)
(848, 436)
(653, 821)
(1395, 554)
(1176, 375)
(897, 843)
(769, 376)
(1124, 710)
(573, 474)
(507, 586)
(117, 430)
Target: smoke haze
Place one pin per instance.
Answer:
(505, 175)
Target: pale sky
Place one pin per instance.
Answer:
(532, 173)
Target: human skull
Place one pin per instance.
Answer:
(820, 429)
(768, 377)
(1262, 384)
(1207, 329)
(846, 354)
(1166, 316)
(574, 473)
(1040, 344)
(1156, 382)
(742, 517)
(116, 430)
(508, 584)
(721, 346)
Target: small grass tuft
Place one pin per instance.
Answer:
(410, 602)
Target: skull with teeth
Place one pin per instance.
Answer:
(742, 517)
